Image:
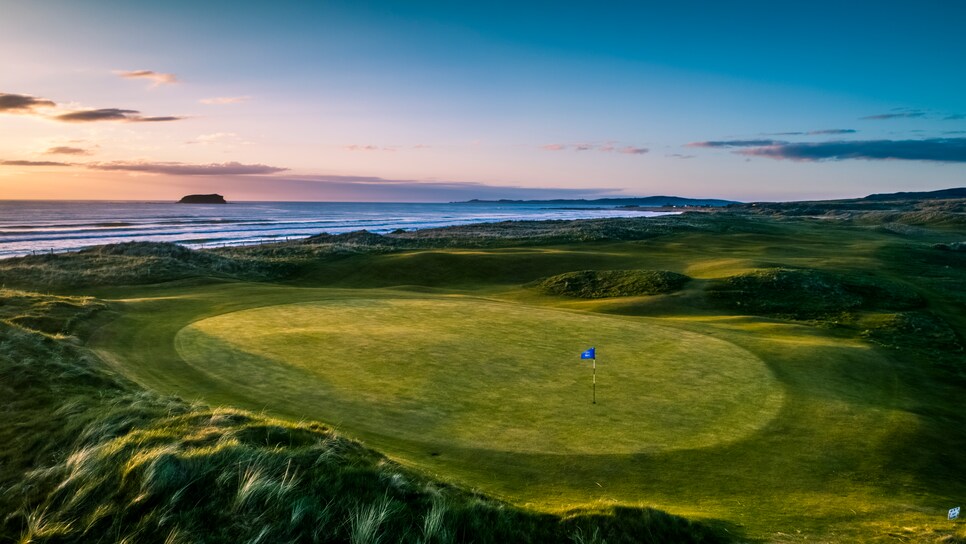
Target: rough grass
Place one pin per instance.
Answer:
(613, 283)
(809, 293)
(916, 330)
(127, 264)
(882, 214)
(46, 313)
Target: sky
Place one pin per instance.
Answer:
(425, 101)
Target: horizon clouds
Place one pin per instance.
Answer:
(932, 150)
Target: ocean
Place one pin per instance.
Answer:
(41, 226)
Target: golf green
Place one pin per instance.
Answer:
(476, 373)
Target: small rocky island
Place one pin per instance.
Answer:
(203, 199)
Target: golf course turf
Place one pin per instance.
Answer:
(775, 423)
(480, 374)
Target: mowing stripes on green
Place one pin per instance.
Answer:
(481, 374)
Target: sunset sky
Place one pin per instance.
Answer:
(440, 101)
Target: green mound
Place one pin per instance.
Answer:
(613, 283)
(472, 373)
(808, 293)
(46, 313)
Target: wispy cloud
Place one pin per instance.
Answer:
(680, 156)
(224, 138)
(158, 78)
(370, 147)
(111, 114)
(222, 100)
(914, 113)
(183, 169)
(833, 131)
(34, 163)
(735, 143)
(933, 149)
(22, 103)
(826, 131)
(167, 168)
(898, 113)
(608, 147)
(66, 150)
(553, 147)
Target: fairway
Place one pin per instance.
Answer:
(475, 373)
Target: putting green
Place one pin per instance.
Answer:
(474, 373)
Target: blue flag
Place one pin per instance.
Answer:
(589, 354)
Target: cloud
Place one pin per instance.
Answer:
(833, 131)
(167, 168)
(66, 150)
(157, 77)
(182, 169)
(357, 147)
(22, 103)
(33, 163)
(222, 100)
(215, 138)
(106, 114)
(813, 132)
(111, 114)
(735, 143)
(26, 104)
(903, 114)
(934, 150)
(914, 113)
(607, 147)
(680, 156)
(160, 119)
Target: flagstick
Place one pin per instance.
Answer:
(595, 379)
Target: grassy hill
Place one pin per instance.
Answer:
(766, 373)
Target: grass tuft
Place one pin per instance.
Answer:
(366, 520)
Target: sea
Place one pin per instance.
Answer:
(28, 227)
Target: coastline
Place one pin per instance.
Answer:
(58, 227)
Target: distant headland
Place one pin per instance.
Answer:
(643, 202)
(203, 199)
